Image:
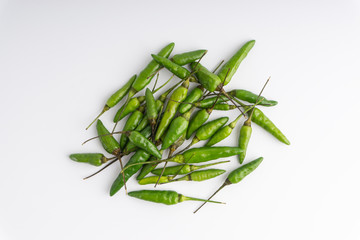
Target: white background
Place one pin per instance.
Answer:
(60, 60)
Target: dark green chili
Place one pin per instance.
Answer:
(206, 103)
(209, 129)
(95, 159)
(197, 121)
(139, 157)
(209, 80)
(133, 104)
(234, 62)
(131, 123)
(176, 69)
(237, 175)
(151, 110)
(165, 197)
(108, 142)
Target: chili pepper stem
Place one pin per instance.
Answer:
(184, 198)
(130, 94)
(110, 163)
(106, 107)
(156, 81)
(227, 182)
(110, 134)
(123, 175)
(162, 171)
(218, 66)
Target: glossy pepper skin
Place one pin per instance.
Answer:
(234, 62)
(183, 169)
(209, 80)
(143, 79)
(164, 197)
(197, 121)
(95, 159)
(206, 103)
(147, 168)
(145, 122)
(223, 107)
(193, 96)
(209, 129)
(204, 154)
(120, 94)
(108, 142)
(130, 147)
(142, 142)
(188, 57)
(244, 138)
(131, 123)
(176, 69)
(222, 133)
(263, 121)
(139, 157)
(240, 173)
(251, 97)
(173, 104)
(133, 104)
(177, 127)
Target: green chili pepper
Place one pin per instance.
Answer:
(206, 103)
(130, 147)
(178, 95)
(176, 69)
(224, 107)
(251, 97)
(237, 175)
(209, 80)
(209, 129)
(151, 110)
(133, 104)
(204, 154)
(234, 62)
(116, 97)
(194, 95)
(146, 169)
(182, 169)
(108, 142)
(197, 121)
(244, 138)
(177, 127)
(145, 122)
(263, 121)
(131, 124)
(165, 197)
(188, 57)
(222, 133)
(197, 176)
(144, 77)
(139, 157)
(142, 142)
(95, 159)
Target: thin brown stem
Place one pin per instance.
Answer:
(110, 163)
(218, 66)
(156, 81)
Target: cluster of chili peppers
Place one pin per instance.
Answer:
(159, 124)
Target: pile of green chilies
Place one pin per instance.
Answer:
(155, 125)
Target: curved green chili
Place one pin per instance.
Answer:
(131, 123)
(237, 175)
(108, 142)
(176, 69)
(197, 121)
(188, 57)
(115, 98)
(209, 129)
(234, 62)
(209, 80)
(193, 96)
(222, 133)
(251, 97)
(178, 95)
(133, 104)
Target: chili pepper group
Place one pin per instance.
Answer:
(158, 125)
